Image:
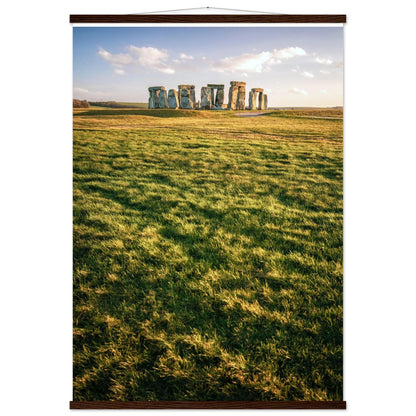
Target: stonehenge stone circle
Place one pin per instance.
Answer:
(212, 97)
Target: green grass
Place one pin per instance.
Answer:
(207, 256)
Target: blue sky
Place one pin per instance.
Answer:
(296, 66)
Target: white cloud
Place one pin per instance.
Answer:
(324, 71)
(117, 60)
(307, 74)
(324, 61)
(298, 91)
(146, 57)
(260, 62)
(155, 59)
(245, 62)
(185, 56)
(324, 91)
(152, 58)
(289, 52)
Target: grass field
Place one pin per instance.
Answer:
(207, 255)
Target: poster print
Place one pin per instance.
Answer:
(208, 213)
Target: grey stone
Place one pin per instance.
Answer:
(237, 95)
(210, 99)
(186, 96)
(206, 98)
(193, 99)
(163, 99)
(261, 101)
(173, 99)
(219, 99)
(241, 98)
(157, 98)
(251, 96)
(252, 102)
(232, 97)
(185, 101)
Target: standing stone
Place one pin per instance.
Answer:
(265, 101)
(185, 102)
(261, 101)
(232, 97)
(173, 99)
(219, 100)
(241, 98)
(251, 100)
(151, 97)
(158, 98)
(206, 98)
(186, 96)
(193, 99)
(163, 99)
(237, 89)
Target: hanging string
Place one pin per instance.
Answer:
(205, 8)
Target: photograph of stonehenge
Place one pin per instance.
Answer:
(212, 97)
(208, 214)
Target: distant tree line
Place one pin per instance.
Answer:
(80, 104)
(111, 104)
(116, 104)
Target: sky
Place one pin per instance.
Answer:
(296, 66)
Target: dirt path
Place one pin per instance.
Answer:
(257, 114)
(324, 117)
(262, 113)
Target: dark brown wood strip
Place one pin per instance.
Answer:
(208, 18)
(208, 405)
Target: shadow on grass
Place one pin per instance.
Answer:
(160, 113)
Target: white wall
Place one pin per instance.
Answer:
(36, 200)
